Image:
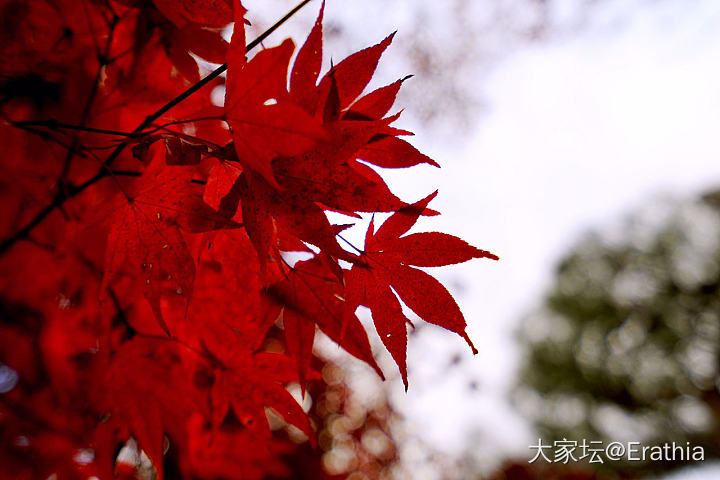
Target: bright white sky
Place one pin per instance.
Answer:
(578, 130)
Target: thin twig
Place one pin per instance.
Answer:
(102, 63)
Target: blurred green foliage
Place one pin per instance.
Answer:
(625, 346)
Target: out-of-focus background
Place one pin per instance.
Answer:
(580, 141)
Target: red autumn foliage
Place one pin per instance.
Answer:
(146, 232)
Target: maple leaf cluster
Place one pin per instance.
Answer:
(151, 290)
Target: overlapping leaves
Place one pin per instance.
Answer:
(196, 261)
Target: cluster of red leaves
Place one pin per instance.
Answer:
(145, 264)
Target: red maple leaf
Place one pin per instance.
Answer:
(265, 122)
(145, 241)
(389, 259)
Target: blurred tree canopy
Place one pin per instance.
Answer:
(625, 346)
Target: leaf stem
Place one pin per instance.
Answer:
(349, 243)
